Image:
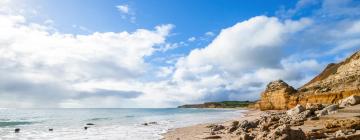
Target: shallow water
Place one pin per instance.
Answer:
(110, 124)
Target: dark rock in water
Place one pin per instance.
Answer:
(85, 127)
(50, 129)
(17, 130)
(90, 124)
(153, 123)
(149, 123)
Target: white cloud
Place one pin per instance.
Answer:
(191, 39)
(209, 34)
(57, 62)
(127, 13)
(123, 8)
(237, 63)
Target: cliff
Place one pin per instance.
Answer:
(335, 82)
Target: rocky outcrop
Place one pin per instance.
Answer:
(276, 95)
(335, 83)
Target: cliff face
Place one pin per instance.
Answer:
(336, 82)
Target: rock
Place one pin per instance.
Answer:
(313, 118)
(313, 107)
(233, 126)
(153, 123)
(339, 133)
(327, 110)
(321, 113)
(212, 137)
(211, 126)
(235, 123)
(245, 125)
(90, 124)
(17, 130)
(349, 101)
(50, 129)
(275, 96)
(284, 132)
(217, 128)
(149, 123)
(302, 116)
(343, 123)
(296, 110)
(331, 108)
(245, 137)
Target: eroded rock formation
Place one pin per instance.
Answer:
(336, 82)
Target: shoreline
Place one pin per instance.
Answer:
(198, 131)
(315, 121)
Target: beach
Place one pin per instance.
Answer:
(199, 131)
(313, 121)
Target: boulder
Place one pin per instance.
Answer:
(245, 137)
(339, 133)
(284, 132)
(313, 107)
(217, 127)
(296, 110)
(245, 125)
(302, 116)
(349, 101)
(234, 126)
(327, 110)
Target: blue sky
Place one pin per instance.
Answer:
(164, 53)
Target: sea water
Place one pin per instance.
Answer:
(110, 124)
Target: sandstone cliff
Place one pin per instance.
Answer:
(336, 82)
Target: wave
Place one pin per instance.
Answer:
(14, 123)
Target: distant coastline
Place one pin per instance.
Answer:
(223, 104)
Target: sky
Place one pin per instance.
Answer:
(165, 53)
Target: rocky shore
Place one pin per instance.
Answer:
(327, 107)
(313, 121)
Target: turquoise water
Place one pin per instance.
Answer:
(109, 123)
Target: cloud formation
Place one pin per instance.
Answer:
(41, 67)
(237, 61)
(37, 62)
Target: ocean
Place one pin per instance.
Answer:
(110, 124)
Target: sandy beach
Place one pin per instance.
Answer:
(197, 132)
(341, 123)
